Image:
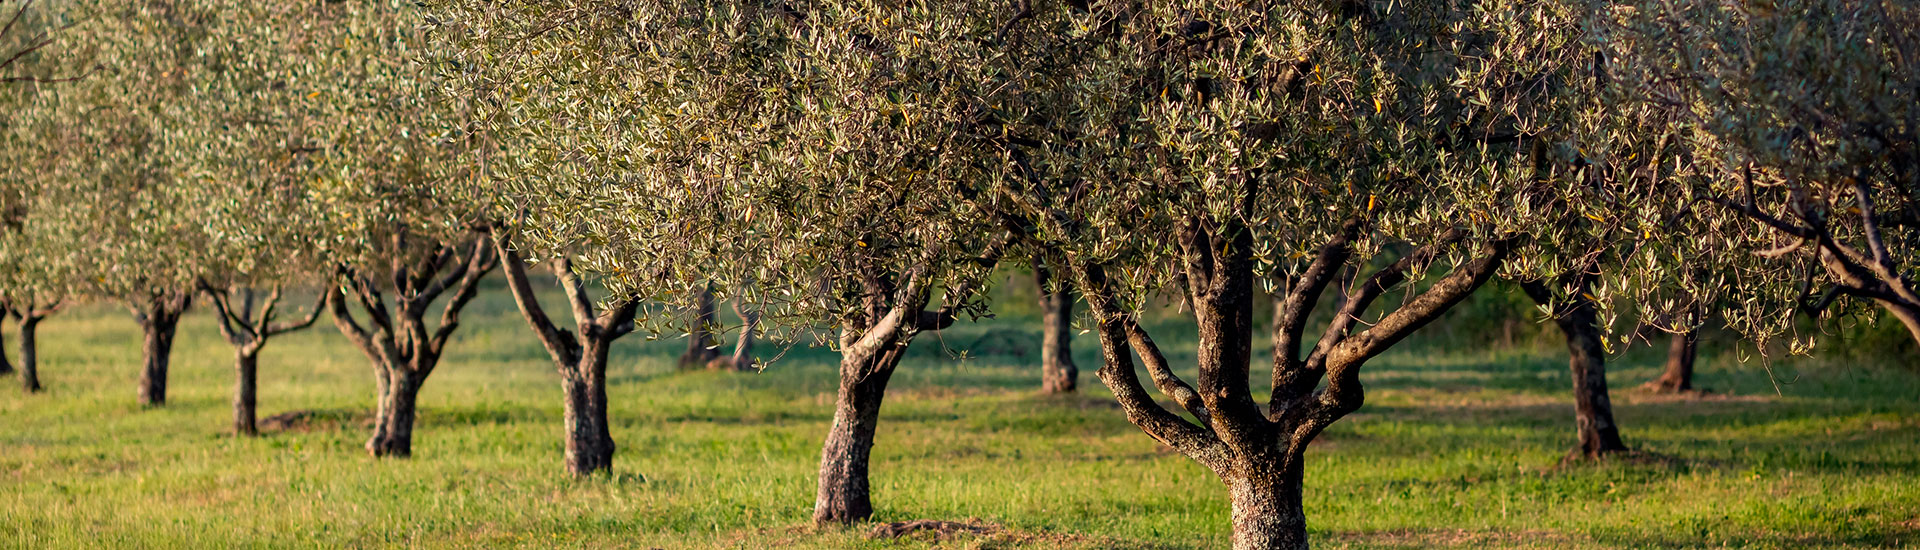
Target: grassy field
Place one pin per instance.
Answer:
(1455, 448)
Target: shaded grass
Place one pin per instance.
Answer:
(1453, 449)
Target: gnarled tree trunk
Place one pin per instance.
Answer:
(580, 356)
(1267, 509)
(1595, 430)
(589, 435)
(1259, 454)
(402, 347)
(1678, 375)
(844, 493)
(1058, 374)
(393, 420)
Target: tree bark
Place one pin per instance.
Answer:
(844, 494)
(393, 423)
(1267, 510)
(29, 354)
(246, 364)
(589, 436)
(1678, 376)
(1058, 374)
(1596, 432)
(156, 349)
(701, 347)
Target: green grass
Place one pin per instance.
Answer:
(1453, 449)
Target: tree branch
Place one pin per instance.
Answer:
(1343, 393)
(1300, 300)
(561, 346)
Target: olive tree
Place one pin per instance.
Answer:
(118, 184)
(1211, 147)
(1799, 120)
(400, 228)
(798, 161)
(35, 267)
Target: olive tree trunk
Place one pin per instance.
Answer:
(1595, 431)
(402, 347)
(1058, 374)
(1267, 509)
(6, 367)
(29, 354)
(159, 318)
(1678, 375)
(393, 419)
(246, 381)
(248, 330)
(701, 346)
(1259, 452)
(589, 435)
(844, 494)
(580, 356)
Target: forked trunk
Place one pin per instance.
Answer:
(393, 421)
(156, 350)
(589, 437)
(844, 493)
(246, 369)
(1678, 376)
(1267, 511)
(29, 355)
(1058, 374)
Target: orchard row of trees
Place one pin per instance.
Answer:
(852, 173)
